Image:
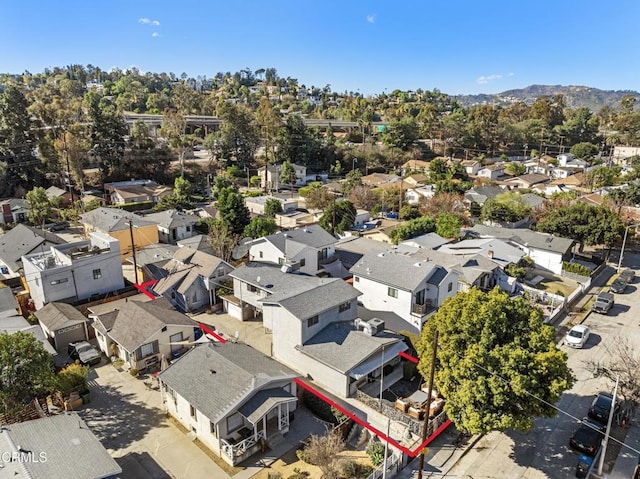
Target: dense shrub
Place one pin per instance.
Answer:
(576, 268)
(375, 451)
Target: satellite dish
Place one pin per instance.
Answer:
(242, 248)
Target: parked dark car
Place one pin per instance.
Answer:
(618, 286)
(84, 352)
(59, 226)
(628, 275)
(601, 407)
(587, 437)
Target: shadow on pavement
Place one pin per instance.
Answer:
(136, 465)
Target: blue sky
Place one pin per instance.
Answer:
(456, 46)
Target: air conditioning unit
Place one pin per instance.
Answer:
(377, 326)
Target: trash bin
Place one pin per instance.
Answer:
(86, 397)
(584, 464)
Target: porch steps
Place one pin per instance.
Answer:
(357, 436)
(275, 440)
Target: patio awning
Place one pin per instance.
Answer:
(262, 402)
(377, 360)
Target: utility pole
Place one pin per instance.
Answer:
(426, 419)
(605, 441)
(133, 249)
(66, 156)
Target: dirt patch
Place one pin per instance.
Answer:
(289, 465)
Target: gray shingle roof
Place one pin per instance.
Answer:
(342, 347)
(525, 237)
(313, 235)
(499, 250)
(171, 219)
(427, 241)
(72, 450)
(482, 193)
(136, 322)
(199, 242)
(112, 219)
(397, 270)
(303, 296)
(187, 266)
(7, 300)
(158, 253)
(217, 378)
(263, 401)
(23, 240)
(59, 315)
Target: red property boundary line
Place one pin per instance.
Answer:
(366, 425)
(210, 331)
(143, 288)
(409, 357)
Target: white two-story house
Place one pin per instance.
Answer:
(74, 271)
(315, 328)
(307, 250)
(409, 287)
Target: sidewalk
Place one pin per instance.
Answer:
(627, 459)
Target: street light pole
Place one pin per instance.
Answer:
(606, 435)
(353, 164)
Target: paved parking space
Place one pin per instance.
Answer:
(128, 418)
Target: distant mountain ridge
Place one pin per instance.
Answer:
(574, 96)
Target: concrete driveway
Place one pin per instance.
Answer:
(128, 418)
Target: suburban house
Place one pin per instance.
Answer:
(272, 179)
(416, 179)
(231, 397)
(528, 181)
(14, 210)
(74, 271)
(12, 322)
(315, 328)
(173, 225)
(54, 192)
(415, 165)
(256, 203)
(62, 324)
(141, 333)
(497, 250)
(189, 280)
(123, 226)
(70, 448)
(151, 258)
(576, 182)
(492, 172)
(136, 191)
(418, 194)
(426, 241)
(378, 179)
(308, 250)
(547, 251)
(198, 242)
(20, 241)
(411, 288)
(471, 166)
(481, 194)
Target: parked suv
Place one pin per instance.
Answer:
(587, 437)
(84, 352)
(603, 303)
(59, 226)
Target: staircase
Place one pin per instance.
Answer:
(275, 440)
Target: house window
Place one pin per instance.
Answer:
(251, 288)
(59, 281)
(164, 329)
(173, 295)
(393, 292)
(450, 287)
(189, 229)
(303, 261)
(234, 422)
(97, 274)
(356, 279)
(313, 320)
(212, 428)
(344, 306)
(192, 412)
(260, 254)
(146, 350)
(323, 253)
(175, 338)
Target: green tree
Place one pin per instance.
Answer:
(448, 225)
(413, 228)
(587, 224)
(338, 216)
(26, 370)
(584, 150)
(239, 136)
(401, 133)
(39, 206)
(108, 129)
(516, 168)
(508, 207)
(351, 180)
(288, 175)
(269, 122)
(319, 197)
(272, 207)
(496, 361)
(232, 209)
(182, 190)
(17, 142)
(174, 129)
(72, 378)
(222, 239)
(259, 227)
(296, 144)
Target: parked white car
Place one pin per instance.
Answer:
(577, 336)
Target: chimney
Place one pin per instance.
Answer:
(490, 254)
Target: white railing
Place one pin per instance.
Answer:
(394, 463)
(284, 421)
(236, 450)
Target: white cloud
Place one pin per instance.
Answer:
(483, 80)
(155, 34)
(511, 74)
(148, 21)
(371, 18)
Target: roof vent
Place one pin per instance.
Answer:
(418, 264)
(258, 280)
(381, 255)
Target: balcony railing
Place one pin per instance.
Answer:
(234, 451)
(328, 260)
(422, 309)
